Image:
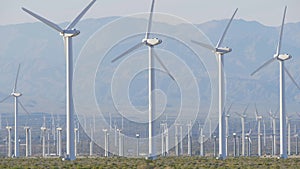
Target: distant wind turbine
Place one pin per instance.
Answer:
(243, 116)
(258, 119)
(273, 117)
(16, 95)
(227, 115)
(220, 51)
(151, 43)
(248, 137)
(68, 33)
(8, 141)
(282, 114)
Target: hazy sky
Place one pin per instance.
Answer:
(267, 12)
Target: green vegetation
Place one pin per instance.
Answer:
(141, 163)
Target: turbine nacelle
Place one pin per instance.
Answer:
(223, 50)
(152, 42)
(15, 94)
(70, 33)
(283, 57)
(258, 117)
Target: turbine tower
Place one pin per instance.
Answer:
(288, 121)
(258, 119)
(282, 114)
(150, 43)
(220, 51)
(243, 116)
(68, 33)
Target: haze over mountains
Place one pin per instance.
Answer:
(42, 75)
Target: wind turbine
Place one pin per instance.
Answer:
(43, 129)
(273, 117)
(59, 146)
(243, 116)
(106, 142)
(296, 137)
(258, 119)
(151, 43)
(68, 33)
(9, 140)
(201, 142)
(189, 125)
(28, 141)
(227, 115)
(220, 51)
(281, 58)
(248, 137)
(16, 95)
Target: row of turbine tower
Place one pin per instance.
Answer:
(150, 42)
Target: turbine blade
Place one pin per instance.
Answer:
(16, 80)
(204, 45)
(250, 140)
(229, 108)
(226, 29)
(150, 20)
(76, 20)
(256, 112)
(291, 77)
(128, 51)
(238, 114)
(22, 106)
(244, 113)
(162, 64)
(5, 98)
(281, 31)
(263, 65)
(44, 20)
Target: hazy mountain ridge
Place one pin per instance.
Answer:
(42, 78)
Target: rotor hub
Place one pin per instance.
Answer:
(16, 94)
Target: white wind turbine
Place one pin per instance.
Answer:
(273, 117)
(282, 114)
(248, 137)
(16, 95)
(220, 51)
(243, 116)
(27, 141)
(189, 125)
(258, 119)
(151, 43)
(227, 115)
(8, 141)
(68, 33)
